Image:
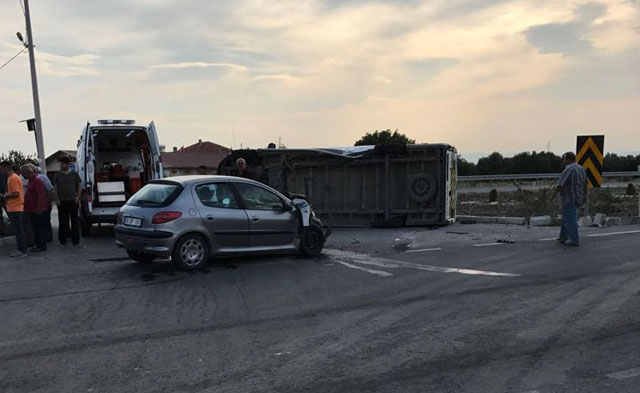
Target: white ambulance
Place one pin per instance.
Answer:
(115, 159)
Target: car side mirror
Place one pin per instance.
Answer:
(287, 207)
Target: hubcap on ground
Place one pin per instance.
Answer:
(192, 252)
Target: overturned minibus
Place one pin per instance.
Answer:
(382, 185)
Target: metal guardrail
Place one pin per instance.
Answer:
(538, 176)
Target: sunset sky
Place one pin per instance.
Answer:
(484, 76)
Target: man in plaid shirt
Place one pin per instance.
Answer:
(572, 188)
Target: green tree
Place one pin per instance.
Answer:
(17, 158)
(492, 165)
(525, 162)
(384, 137)
(616, 163)
(466, 168)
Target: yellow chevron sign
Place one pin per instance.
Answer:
(590, 154)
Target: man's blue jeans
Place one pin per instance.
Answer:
(569, 229)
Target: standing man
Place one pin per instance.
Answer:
(14, 200)
(3, 190)
(36, 204)
(67, 186)
(243, 169)
(49, 188)
(573, 188)
(26, 218)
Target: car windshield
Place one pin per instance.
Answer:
(154, 195)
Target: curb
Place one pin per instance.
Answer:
(8, 241)
(492, 220)
(539, 221)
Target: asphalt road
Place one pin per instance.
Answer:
(447, 310)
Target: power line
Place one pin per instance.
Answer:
(21, 6)
(13, 58)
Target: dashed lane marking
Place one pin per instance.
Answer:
(489, 244)
(351, 258)
(425, 250)
(625, 374)
(547, 239)
(376, 272)
(612, 233)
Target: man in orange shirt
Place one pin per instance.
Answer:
(15, 206)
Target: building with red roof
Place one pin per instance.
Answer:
(200, 158)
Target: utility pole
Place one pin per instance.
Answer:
(34, 88)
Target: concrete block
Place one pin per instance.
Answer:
(476, 220)
(613, 222)
(485, 220)
(585, 221)
(511, 220)
(9, 241)
(540, 221)
(599, 220)
(627, 220)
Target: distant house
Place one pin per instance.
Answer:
(201, 157)
(52, 162)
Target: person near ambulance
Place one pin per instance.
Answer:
(49, 187)
(14, 204)
(68, 187)
(36, 205)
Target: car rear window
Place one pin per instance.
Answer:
(155, 195)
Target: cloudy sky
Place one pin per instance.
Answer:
(490, 75)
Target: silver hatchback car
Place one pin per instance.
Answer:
(191, 218)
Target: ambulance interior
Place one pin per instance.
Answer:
(122, 162)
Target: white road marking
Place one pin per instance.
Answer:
(364, 259)
(548, 239)
(612, 233)
(376, 272)
(624, 374)
(489, 244)
(425, 250)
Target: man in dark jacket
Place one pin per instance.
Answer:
(67, 190)
(36, 205)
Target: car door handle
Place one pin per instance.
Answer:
(255, 218)
(210, 217)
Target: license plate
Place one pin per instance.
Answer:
(132, 221)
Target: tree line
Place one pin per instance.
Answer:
(496, 164)
(533, 162)
(17, 158)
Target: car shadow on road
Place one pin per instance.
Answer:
(125, 268)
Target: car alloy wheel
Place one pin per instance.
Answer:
(192, 252)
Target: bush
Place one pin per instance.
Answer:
(631, 190)
(493, 195)
(536, 202)
(602, 201)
